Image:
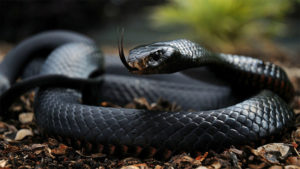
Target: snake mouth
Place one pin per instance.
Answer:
(127, 64)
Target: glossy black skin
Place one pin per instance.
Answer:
(177, 55)
(59, 111)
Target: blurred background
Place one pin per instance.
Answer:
(267, 29)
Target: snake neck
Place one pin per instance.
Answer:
(245, 72)
(193, 55)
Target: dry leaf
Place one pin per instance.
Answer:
(182, 159)
(201, 157)
(3, 163)
(202, 167)
(98, 155)
(16, 108)
(61, 150)
(293, 160)
(158, 167)
(259, 166)
(21, 134)
(52, 142)
(135, 167)
(130, 167)
(276, 167)
(216, 165)
(291, 167)
(26, 117)
(273, 152)
(48, 153)
(296, 134)
(236, 151)
(36, 146)
(37, 152)
(131, 161)
(6, 126)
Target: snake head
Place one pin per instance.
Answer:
(154, 58)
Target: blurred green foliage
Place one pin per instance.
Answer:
(223, 24)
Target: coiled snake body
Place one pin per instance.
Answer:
(76, 61)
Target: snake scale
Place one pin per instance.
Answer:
(70, 79)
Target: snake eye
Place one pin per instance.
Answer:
(155, 56)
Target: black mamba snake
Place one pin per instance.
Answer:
(76, 63)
